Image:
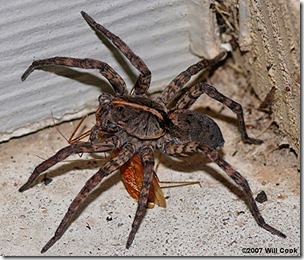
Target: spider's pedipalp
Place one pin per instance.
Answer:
(168, 95)
(201, 88)
(109, 167)
(147, 157)
(75, 148)
(118, 84)
(143, 82)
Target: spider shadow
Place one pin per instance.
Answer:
(231, 120)
(81, 77)
(78, 165)
(90, 164)
(90, 79)
(198, 162)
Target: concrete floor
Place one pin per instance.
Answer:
(207, 220)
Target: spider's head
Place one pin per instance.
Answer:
(136, 118)
(103, 114)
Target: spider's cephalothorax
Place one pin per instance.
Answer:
(132, 124)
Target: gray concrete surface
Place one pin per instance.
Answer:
(207, 221)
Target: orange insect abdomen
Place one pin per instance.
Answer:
(132, 177)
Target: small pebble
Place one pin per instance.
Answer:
(47, 181)
(261, 197)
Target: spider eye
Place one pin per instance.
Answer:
(120, 108)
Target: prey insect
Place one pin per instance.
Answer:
(132, 124)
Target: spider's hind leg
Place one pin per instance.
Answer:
(187, 149)
(242, 182)
(200, 88)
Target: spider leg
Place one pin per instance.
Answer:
(105, 69)
(168, 95)
(75, 148)
(200, 88)
(242, 182)
(143, 82)
(109, 167)
(192, 147)
(148, 161)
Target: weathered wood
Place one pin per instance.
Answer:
(273, 60)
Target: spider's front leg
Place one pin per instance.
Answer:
(111, 166)
(147, 157)
(75, 148)
(200, 88)
(194, 147)
(143, 81)
(105, 69)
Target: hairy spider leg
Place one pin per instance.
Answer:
(147, 157)
(243, 183)
(90, 185)
(192, 147)
(186, 101)
(79, 147)
(170, 92)
(118, 84)
(143, 81)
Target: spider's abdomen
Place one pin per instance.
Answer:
(192, 126)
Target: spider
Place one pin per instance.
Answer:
(132, 124)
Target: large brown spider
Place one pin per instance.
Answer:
(137, 125)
